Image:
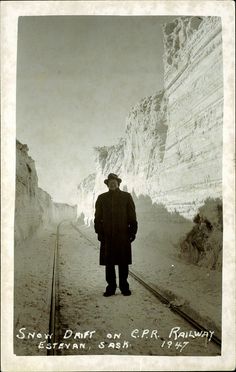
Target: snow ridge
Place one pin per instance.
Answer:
(33, 206)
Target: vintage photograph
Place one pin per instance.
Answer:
(118, 202)
(118, 228)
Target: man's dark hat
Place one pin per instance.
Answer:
(112, 176)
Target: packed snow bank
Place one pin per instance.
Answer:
(172, 147)
(203, 244)
(33, 206)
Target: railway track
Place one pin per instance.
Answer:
(54, 306)
(54, 311)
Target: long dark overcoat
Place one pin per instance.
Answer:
(115, 222)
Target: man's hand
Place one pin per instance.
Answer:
(131, 238)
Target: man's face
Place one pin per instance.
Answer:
(113, 184)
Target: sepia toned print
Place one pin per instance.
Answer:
(120, 218)
(169, 158)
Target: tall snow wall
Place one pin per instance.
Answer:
(172, 146)
(192, 164)
(33, 206)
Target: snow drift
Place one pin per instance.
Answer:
(33, 206)
(203, 244)
(172, 147)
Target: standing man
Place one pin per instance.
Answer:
(116, 225)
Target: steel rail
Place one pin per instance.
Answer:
(174, 308)
(54, 305)
(163, 299)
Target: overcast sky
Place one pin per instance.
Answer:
(77, 78)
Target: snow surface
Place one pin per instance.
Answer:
(83, 307)
(157, 259)
(33, 260)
